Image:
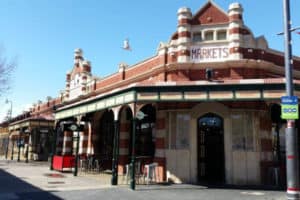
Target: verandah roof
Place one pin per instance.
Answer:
(255, 89)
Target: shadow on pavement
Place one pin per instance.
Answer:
(244, 187)
(12, 187)
(165, 186)
(202, 186)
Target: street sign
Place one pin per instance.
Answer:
(289, 107)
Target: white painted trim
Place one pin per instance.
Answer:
(84, 138)
(82, 150)
(66, 149)
(67, 139)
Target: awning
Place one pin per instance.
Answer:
(31, 123)
(250, 89)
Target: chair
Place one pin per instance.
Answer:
(96, 166)
(90, 165)
(138, 173)
(83, 164)
(150, 173)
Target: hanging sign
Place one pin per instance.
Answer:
(140, 115)
(289, 107)
(73, 127)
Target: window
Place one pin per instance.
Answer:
(145, 132)
(197, 37)
(221, 35)
(182, 131)
(242, 131)
(238, 139)
(209, 35)
(179, 124)
(145, 142)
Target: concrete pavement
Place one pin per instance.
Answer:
(35, 181)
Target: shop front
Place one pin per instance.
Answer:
(196, 133)
(32, 138)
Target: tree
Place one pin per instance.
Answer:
(6, 68)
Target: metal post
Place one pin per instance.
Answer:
(19, 148)
(53, 147)
(12, 150)
(76, 154)
(132, 178)
(26, 153)
(114, 178)
(292, 166)
(7, 145)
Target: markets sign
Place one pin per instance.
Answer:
(209, 53)
(289, 107)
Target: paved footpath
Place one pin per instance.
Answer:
(34, 181)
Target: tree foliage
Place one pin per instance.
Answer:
(7, 67)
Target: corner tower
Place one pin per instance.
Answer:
(79, 78)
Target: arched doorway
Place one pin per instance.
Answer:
(145, 144)
(106, 139)
(211, 149)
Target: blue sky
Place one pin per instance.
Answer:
(43, 35)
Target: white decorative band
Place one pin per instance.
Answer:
(66, 149)
(66, 139)
(82, 150)
(84, 138)
(90, 150)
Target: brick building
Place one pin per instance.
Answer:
(204, 107)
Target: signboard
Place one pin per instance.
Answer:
(289, 107)
(73, 127)
(209, 53)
